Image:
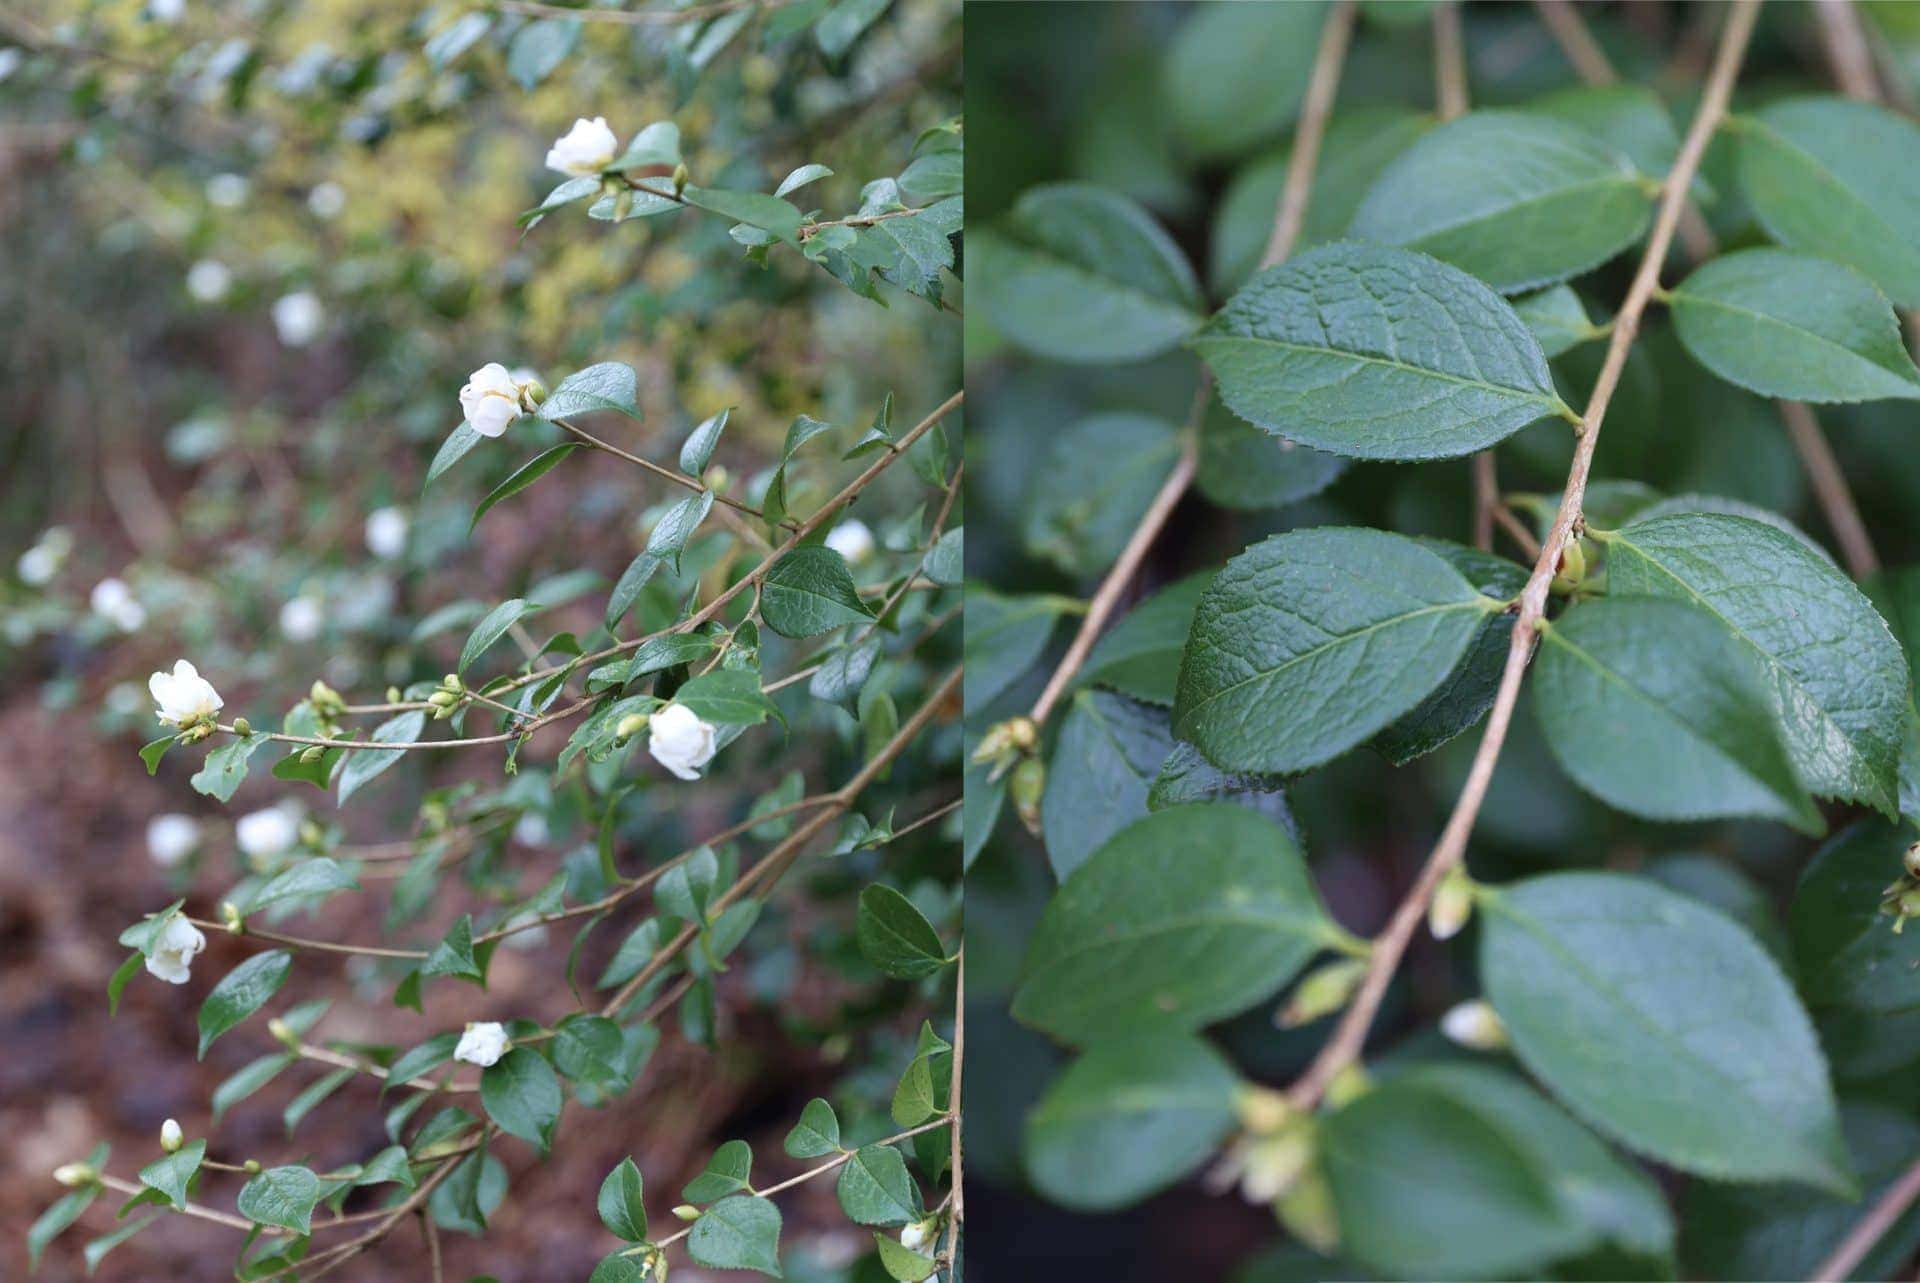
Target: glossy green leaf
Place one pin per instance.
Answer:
(522, 1096)
(1097, 479)
(1077, 273)
(1557, 318)
(1128, 1119)
(1845, 951)
(241, 992)
(1188, 916)
(418, 1061)
(538, 49)
(1310, 642)
(1728, 1080)
(895, 936)
(1140, 655)
(755, 209)
(1103, 765)
(623, 1210)
(874, 1188)
(1840, 179)
(1629, 119)
(727, 1172)
(281, 1196)
(1234, 75)
(63, 1212)
(458, 445)
(1377, 353)
(492, 628)
(318, 877)
(1241, 466)
(817, 1134)
(610, 385)
(1654, 706)
(172, 1173)
(1789, 325)
(523, 476)
(810, 591)
(669, 536)
(738, 1233)
(1838, 678)
(363, 765)
(1518, 200)
(697, 453)
(1005, 637)
(225, 769)
(727, 696)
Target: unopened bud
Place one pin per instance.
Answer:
(443, 699)
(311, 754)
(452, 682)
(242, 727)
(230, 917)
(170, 1136)
(1324, 991)
(74, 1175)
(533, 392)
(1912, 860)
(1452, 904)
(717, 479)
(324, 697)
(687, 1212)
(283, 1034)
(1475, 1025)
(1027, 787)
(1572, 570)
(251, 1167)
(1263, 1110)
(393, 694)
(1271, 1164)
(1347, 1086)
(680, 177)
(631, 725)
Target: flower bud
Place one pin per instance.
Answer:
(1027, 787)
(74, 1175)
(1271, 1164)
(1452, 904)
(631, 725)
(283, 1034)
(1572, 570)
(230, 917)
(1475, 1025)
(443, 699)
(687, 1212)
(242, 727)
(311, 754)
(452, 682)
(920, 1235)
(533, 391)
(717, 479)
(251, 1167)
(680, 177)
(1263, 1110)
(323, 696)
(1347, 1086)
(1912, 860)
(1324, 991)
(393, 694)
(170, 1138)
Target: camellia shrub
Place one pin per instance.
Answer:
(1442, 729)
(706, 744)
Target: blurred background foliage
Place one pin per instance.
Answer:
(1154, 101)
(254, 247)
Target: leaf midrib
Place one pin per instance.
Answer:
(1550, 401)
(1768, 320)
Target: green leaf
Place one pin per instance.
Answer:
(1845, 951)
(902, 1262)
(493, 627)
(248, 1080)
(726, 1173)
(755, 209)
(456, 38)
(456, 447)
(1096, 481)
(622, 1209)
(627, 589)
(589, 1049)
(1128, 1119)
(418, 1061)
(874, 1188)
(1655, 707)
(1728, 1080)
(1461, 1171)
(318, 876)
(1563, 202)
(817, 1134)
(1005, 636)
(1839, 179)
(171, 1174)
(657, 144)
(117, 983)
(697, 453)
(895, 936)
(96, 1251)
(64, 1212)
(727, 696)
(525, 475)
(467, 1198)
(1241, 466)
(311, 1097)
(539, 48)
(1140, 656)
(1076, 273)
(844, 673)
(634, 953)
(1359, 144)
(388, 1167)
(610, 385)
(1557, 318)
(1186, 777)
(1234, 76)
(225, 769)
(154, 750)
(522, 1096)
(282, 1196)
(241, 992)
(669, 536)
(809, 591)
(1188, 916)
(1377, 353)
(1787, 325)
(917, 1097)
(800, 177)
(1103, 766)
(1839, 681)
(1310, 642)
(364, 764)
(454, 955)
(1784, 1231)
(1629, 119)
(946, 560)
(738, 1233)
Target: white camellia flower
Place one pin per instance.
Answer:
(171, 1137)
(166, 10)
(267, 832)
(386, 532)
(183, 695)
(228, 191)
(300, 619)
(585, 149)
(482, 1044)
(680, 741)
(174, 950)
(209, 280)
(1476, 1025)
(114, 602)
(327, 200)
(298, 317)
(40, 563)
(491, 399)
(171, 838)
(852, 540)
(531, 829)
(918, 1236)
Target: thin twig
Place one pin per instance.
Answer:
(1576, 42)
(1316, 108)
(666, 474)
(1847, 50)
(1449, 61)
(1879, 1219)
(1349, 1037)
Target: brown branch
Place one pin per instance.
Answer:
(1879, 1219)
(666, 474)
(1847, 51)
(1576, 42)
(1349, 1037)
(1315, 110)
(1449, 61)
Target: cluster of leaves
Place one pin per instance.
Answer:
(808, 664)
(1704, 664)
